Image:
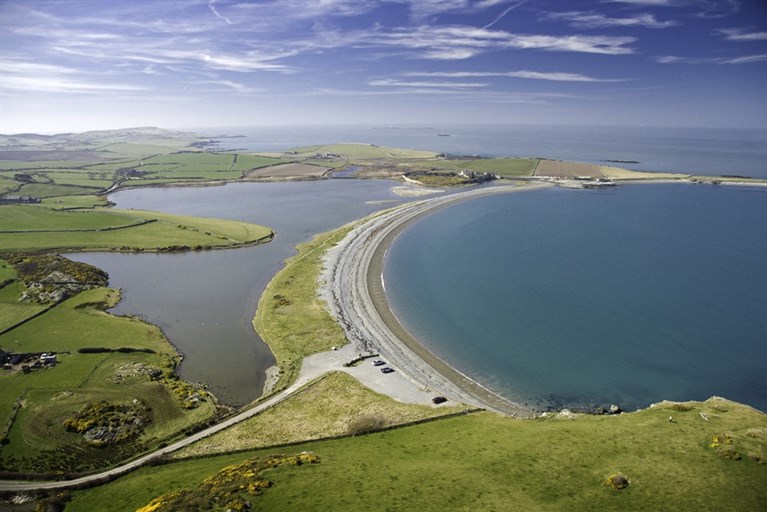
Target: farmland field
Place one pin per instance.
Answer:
(288, 171)
(505, 167)
(34, 228)
(37, 436)
(559, 169)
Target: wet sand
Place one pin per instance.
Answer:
(352, 284)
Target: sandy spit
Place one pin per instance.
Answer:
(352, 285)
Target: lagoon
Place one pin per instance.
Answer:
(205, 301)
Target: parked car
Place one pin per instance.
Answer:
(387, 370)
(378, 362)
(439, 399)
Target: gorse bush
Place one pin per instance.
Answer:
(233, 486)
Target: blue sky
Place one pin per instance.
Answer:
(90, 64)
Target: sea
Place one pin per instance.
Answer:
(584, 298)
(552, 298)
(705, 151)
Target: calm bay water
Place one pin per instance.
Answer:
(579, 297)
(704, 151)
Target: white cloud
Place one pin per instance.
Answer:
(20, 75)
(19, 66)
(532, 75)
(241, 64)
(440, 85)
(745, 59)
(605, 45)
(596, 20)
(504, 13)
(738, 34)
(643, 2)
(229, 84)
(460, 42)
(212, 7)
(63, 85)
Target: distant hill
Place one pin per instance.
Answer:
(136, 134)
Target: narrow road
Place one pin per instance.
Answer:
(321, 364)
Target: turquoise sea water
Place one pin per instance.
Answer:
(581, 297)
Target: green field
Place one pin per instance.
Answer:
(42, 190)
(362, 152)
(11, 310)
(504, 167)
(489, 462)
(37, 441)
(36, 228)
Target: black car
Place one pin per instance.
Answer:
(387, 370)
(439, 399)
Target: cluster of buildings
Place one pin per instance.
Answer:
(26, 361)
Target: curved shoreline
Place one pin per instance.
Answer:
(352, 285)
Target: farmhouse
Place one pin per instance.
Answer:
(48, 358)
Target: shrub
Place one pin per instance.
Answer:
(617, 481)
(366, 424)
(677, 406)
(728, 453)
(232, 485)
(103, 423)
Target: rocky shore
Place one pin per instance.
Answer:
(352, 284)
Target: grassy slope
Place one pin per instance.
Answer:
(7, 272)
(168, 230)
(505, 167)
(290, 317)
(487, 462)
(11, 310)
(331, 406)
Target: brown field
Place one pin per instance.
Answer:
(288, 171)
(559, 169)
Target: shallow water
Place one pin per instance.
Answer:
(579, 297)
